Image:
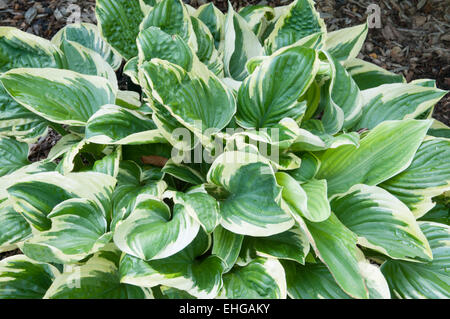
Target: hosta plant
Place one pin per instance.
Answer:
(253, 156)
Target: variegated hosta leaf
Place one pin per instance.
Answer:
(78, 229)
(24, 278)
(438, 214)
(63, 145)
(131, 69)
(346, 43)
(17, 121)
(13, 155)
(426, 177)
(67, 163)
(183, 172)
(308, 168)
(336, 246)
(13, 227)
(199, 101)
(98, 278)
(368, 75)
(439, 129)
(171, 16)
(153, 232)
(7, 181)
(60, 96)
(384, 152)
(113, 124)
(258, 17)
(278, 86)
(291, 245)
(201, 278)
(431, 280)
(262, 278)
(132, 182)
(206, 51)
(314, 281)
(241, 44)
(118, 22)
(396, 102)
(316, 139)
(20, 49)
(129, 99)
(201, 206)
(251, 205)
(35, 196)
(308, 200)
(382, 222)
(88, 36)
(227, 246)
(86, 61)
(298, 21)
(311, 281)
(214, 19)
(109, 164)
(155, 43)
(345, 94)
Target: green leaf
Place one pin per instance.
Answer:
(336, 246)
(318, 205)
(426, 177)
(79, 228)
(396, 102)
(200, 277)
(88, 35)
(126, 194)
(153, 232)
(70, 98)
(206, 50)
(171, 17)
(86, 61)
(260, 279)
(13, 227)
(13, 155)
(311, 281)
(278, 86)
(98, 278)
(384, 152)
(201, 206)
(227, 246)
(241, 44)
(118, 21)
(308, 168)
(198, 101)
(20, 49)
(431, 280)
(345, 44)
(183, 172)
(299, 20)
(438, 214)
(155, 43)
(251, 205)
(290, 245)
(17, 121)
(113, 124)
(345, 94)
(36, 195)
(368, 75)
(382, 222)
(307, 200)
(214, 19)
(23, 278)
